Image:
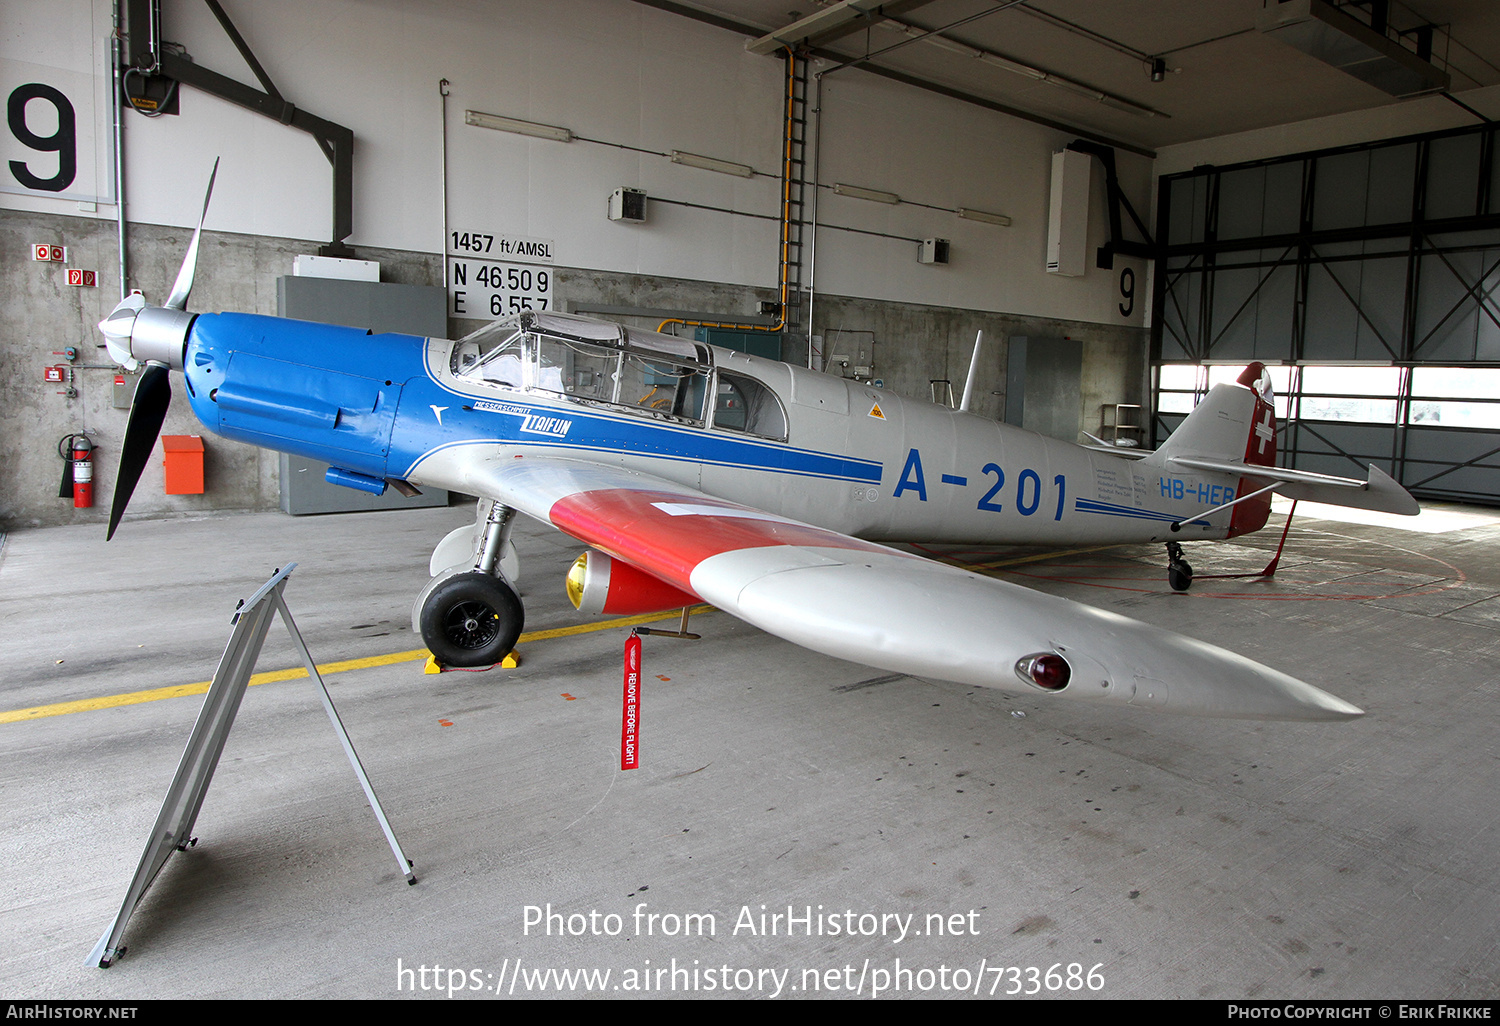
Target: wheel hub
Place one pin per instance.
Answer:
(472, 625)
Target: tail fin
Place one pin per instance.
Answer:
(1233, 422)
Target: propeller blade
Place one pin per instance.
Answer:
(147, 411)
(184, 284)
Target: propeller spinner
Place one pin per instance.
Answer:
(135, 333)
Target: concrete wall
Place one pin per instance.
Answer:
(42, 314)
(915, 344)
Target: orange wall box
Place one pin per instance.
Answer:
(184, 464)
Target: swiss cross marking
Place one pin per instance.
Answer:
(1264, 431)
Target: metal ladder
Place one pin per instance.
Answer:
(793, 186)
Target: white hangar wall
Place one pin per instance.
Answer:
(629, 76)
(632, 83)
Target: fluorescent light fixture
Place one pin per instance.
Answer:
(983, 215)
(1014, 67)
(1128, 106)
(874, 195)
(531, 128)
(1004, 63)
(1107, 99)
(951, 45)
(724, 167)
(834, 21)
(1076, 88)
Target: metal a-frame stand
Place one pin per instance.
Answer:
(174, 825)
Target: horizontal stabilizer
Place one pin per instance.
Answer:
(1380, 492)
(1116, 450)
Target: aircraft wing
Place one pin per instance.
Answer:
(875, 605)
(1380, 492)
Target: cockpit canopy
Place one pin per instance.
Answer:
(601, 362)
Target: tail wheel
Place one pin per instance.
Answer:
(1180, 575)
(472, 620)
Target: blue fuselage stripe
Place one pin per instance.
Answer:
(1110, 510)
(300, 387)
(571, 428)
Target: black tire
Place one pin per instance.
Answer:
(472, 620)
(1180, 575)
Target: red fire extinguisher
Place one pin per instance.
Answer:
(77, 452)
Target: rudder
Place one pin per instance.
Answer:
(1233, 422)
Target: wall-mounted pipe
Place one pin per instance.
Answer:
(788, 169)
(443, 178)
(812, 233)
(119, 133)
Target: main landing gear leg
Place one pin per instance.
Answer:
(473, 619)
(1179, 573)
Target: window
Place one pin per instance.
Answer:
(664, 375)
(493, 353)
(744, 404)
(1465, 397)
(502, 365)
(663, 386)
(576, 368)
(1365, 394)
(1178, 387)
(642, 371)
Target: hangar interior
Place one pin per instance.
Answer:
(1131, 201)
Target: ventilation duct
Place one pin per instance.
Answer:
(1320, 30)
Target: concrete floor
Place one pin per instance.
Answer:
(1173, 857)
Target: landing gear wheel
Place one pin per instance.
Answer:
(472, 620)
(1179, 573)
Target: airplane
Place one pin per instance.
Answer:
(699, 474)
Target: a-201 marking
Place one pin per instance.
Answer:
(1028, 486)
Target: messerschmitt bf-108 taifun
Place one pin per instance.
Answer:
(694, 473)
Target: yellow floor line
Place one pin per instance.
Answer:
(1054, 554)
(37, 712)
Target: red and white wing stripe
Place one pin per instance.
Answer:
(670, 534)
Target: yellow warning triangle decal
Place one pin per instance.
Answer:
(875, 412)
